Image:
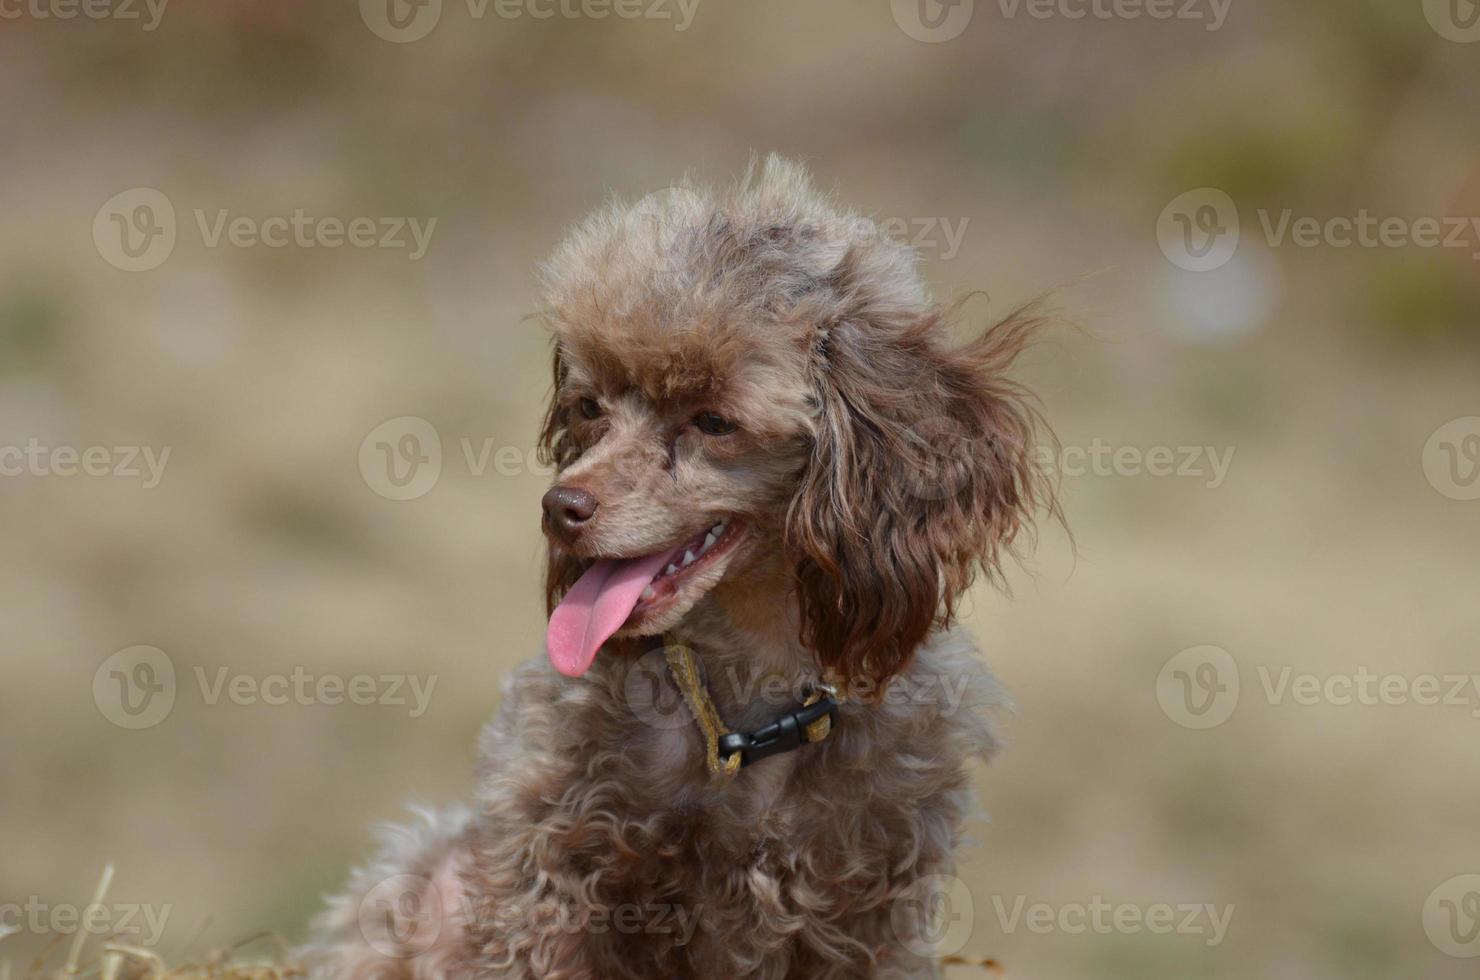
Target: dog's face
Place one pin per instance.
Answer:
(755, 388)
(692, 451)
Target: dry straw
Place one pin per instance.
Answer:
(115, 960)
(120, 961)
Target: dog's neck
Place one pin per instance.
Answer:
(746, 635)
(747, 642)
(754, 673)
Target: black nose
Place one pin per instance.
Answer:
(567, 509)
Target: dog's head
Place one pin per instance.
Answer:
(753, 392)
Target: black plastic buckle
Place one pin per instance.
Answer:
(780, 736)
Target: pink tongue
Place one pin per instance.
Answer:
(595, 608)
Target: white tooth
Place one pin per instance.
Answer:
(670, 569)
(648, 593)
(688, 558)
(709, 542)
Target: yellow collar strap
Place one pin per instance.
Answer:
(729, 751)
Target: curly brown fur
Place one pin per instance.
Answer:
(872, 469)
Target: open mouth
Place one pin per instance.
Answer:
(620, 593)
(687, 564)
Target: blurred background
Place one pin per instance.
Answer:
(257, 256)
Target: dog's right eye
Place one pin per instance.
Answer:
(714, 425)
(590, 408)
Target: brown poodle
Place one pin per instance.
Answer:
(745, 754)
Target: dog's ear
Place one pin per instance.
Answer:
(557, 448)
(923, 472)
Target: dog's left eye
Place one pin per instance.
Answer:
(590, 408)
(714, 425)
